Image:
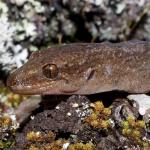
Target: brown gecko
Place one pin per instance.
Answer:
(85, 68)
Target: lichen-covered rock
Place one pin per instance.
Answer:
(77, 123)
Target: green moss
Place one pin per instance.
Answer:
(10, 99)
(82, 146)
(48, 142)
(55, 145)
(134, 129)
(33, 148)
(58, 145)
(100, 116)
(40, 137)
(7, 132)
(5, 144)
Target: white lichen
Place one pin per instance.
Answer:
(25, 29)
(18, 2)
(12, 55)
(65, 146)
(57, 107)
(95, 2)
(69, 114)
(120, 8)
(37, 6)
(143, 100)
(138, 2)
(75, 105)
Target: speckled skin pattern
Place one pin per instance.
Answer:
(86, 68)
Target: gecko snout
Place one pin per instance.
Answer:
(12, 81)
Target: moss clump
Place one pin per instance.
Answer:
(55, 145)
(9, 99)
(7, 131)
(99, 118)
(13, 100)
(82, 146)
(33, 148)
(5, 144)
(42, 141)
(40, 137)
(134, 130)
(59, 145)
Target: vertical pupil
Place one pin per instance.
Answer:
(50, 71)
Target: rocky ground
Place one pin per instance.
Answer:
(83, 123)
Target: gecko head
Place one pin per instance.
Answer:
(51, 71)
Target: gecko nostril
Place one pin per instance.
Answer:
(15, 82)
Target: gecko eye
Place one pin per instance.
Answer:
(50, 71)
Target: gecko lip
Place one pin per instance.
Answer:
(18, 88)
(69, 91)
(28, 90)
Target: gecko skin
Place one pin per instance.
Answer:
(85, 68)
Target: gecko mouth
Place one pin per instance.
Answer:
(23, 90)
(73, 91)
(34, 91)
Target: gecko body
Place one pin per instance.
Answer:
(85, 68)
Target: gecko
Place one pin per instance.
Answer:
(85, 68)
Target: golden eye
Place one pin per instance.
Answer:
(50, 71)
